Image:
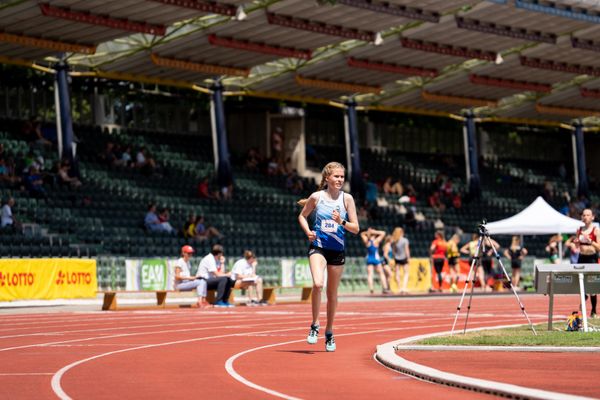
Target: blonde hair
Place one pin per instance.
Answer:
(327, 171)
(397, 234)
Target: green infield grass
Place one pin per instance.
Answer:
(522, 336)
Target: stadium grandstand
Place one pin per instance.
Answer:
(229, 110)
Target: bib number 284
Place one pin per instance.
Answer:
(329, 225)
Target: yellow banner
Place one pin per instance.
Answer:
(419, 276)
(47, 278)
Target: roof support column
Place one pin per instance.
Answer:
(352, 149)
(581, 181)
(471, 156)
(219, 136)
(64, 122)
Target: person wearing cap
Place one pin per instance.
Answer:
(184, 281)
(211, 269)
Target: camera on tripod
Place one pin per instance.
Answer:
(482, 229)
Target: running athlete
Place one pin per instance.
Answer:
(516, 253)
(335, 213)
(438, 255)
(372, 239)
(401, 250)
(453, 256)
(587, 239)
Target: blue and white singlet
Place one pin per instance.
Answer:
(330, 235)
(373, 254)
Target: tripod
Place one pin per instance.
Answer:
(483, 235)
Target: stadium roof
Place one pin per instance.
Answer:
(530, 61)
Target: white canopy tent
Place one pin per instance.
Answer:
(538, 218)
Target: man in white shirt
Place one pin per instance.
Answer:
(184, 281)
(212, 270)
(244, 275)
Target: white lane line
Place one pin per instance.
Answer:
(386, 354)
(26, 373)
(231, 370)
(56, 378)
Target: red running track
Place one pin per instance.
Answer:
(246, 352)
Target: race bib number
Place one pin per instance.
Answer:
(329, 225)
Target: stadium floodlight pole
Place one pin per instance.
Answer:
(581, 179)
(64, 110)
(221, 150)
(352, 148)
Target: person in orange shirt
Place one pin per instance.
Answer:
(438, 256)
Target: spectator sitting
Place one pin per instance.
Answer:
(144, 162)
(125, 160)
(184, 281)
(7, 218)
(203, 232)
(211, 270)
(253, 159)
(189, 227)
(108, 155)
(244, 276)
(293, 183)
(7, 172)
(35, 184)
(436, 203)
(32, 131)
(64, 178)
(371, 192)
(391, 187)
(153, 223)
(204, 191)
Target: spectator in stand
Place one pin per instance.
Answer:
(243, 273)
(388, 186)
(438, 256)
(211, 269)
(32, 132)
(64, 178)
(189, 227)
(7, 172)
(144, 162)
(457, 201)
(371, 193)
(184, 281)
(435, 202)
(153, 223)
(126, 160)
(204, 191)
(277, 145)
(253, 160)
(35, 183)
(7, 218)
(293, 183)
(108, 156)
(203, 232)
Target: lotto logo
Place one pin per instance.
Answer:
(16, 279)
(73, 278)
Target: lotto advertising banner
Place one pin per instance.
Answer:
(47, 279)
(149, 274)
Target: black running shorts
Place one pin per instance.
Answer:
(331, 256)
